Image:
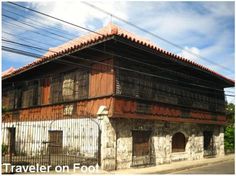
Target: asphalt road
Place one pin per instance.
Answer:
(226, 167)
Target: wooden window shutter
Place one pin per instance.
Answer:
(44, 91)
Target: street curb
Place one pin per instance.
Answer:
(188, 167)
(169, 171)
(153, 171)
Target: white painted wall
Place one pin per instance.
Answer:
(80, 136)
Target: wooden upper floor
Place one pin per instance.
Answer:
(132, 80)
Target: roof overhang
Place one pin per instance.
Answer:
(126, 38)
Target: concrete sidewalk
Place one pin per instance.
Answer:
(173, 167)
(159, 169)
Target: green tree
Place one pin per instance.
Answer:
(229, 129)
(230, 109)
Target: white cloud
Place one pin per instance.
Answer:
(80, 14)
(201, 27)
(219, 9)
(221, 53)
(187, 53)
(180, 25)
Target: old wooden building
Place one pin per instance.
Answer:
(112, 98)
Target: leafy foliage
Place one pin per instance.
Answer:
(229, 129)
(229, 137)
(230, 109)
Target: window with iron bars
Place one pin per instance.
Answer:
(58, 88)
(8, 98)
(30, 94)
(69, 86)
(149, 88)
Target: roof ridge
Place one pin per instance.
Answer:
(109, 30)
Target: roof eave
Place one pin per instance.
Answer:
(52, 58)
(228, 82)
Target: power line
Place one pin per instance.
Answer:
(143, 62)
(103, 63)
(127, 58)
(25, 38)
(29, 46)
(39, 22)
(229, 95)
(127, 69)
(54, 17)
(63, 61)
(17, 51)
(44, 35)
(34, 27)
(34, 55)
(157, 36)
(158, 89)
(72, 63)
(127, 22)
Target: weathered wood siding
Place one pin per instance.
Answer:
(44, 91)
(82, 109)
(124, 108)
(101, 79)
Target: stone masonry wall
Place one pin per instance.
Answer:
(120, 139)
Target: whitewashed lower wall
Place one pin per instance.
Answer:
(80, 136)
(116, 139)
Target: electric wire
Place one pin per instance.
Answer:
(34, 27)
(101, 63)
(159, 37)
(50, 16)
(26, 38)
(41, 23)
(126, 58)
(203, 101)
(55, 18)
(36, 32)
(83, 59)
(127, 22)
(112, 54)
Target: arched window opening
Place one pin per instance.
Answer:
(178, 142)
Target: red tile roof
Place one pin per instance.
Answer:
(8, 71)
(105, 32)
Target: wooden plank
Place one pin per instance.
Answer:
(55, 142)
(128, 109)
(85, 108)
(45, 91)
(101, 79)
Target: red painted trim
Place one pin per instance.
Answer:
(167, 119)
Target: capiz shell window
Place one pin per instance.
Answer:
(68, 86)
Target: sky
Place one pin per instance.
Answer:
(205, 28)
